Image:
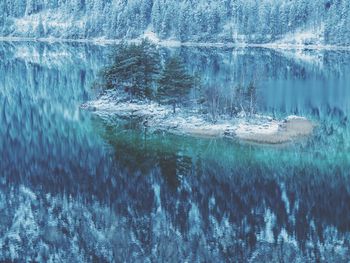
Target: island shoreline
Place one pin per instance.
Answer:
(155, 117)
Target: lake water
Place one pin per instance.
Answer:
(76, 188)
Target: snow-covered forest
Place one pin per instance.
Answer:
(316, 22)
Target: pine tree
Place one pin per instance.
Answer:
(174, 82)
(135, 69)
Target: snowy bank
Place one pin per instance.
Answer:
(156, 117)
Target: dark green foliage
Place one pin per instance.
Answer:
(135, 69)
(174, 82)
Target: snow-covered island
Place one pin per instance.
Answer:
(156, 117)
(154, 92)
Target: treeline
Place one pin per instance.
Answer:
(251, 21)
(139, 71)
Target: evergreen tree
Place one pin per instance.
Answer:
(174, 82)
(135, 69)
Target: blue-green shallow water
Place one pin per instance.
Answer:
(76, 188)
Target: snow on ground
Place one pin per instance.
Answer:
(304, 37)
(304, 46)
(262, 128)
(300, 40)
(295, 117)
(153, 37)
(157, 117)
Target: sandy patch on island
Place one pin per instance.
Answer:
(275, 132)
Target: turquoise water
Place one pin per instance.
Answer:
(78, 188)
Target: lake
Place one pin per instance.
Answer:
(77, 188)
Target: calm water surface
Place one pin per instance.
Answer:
(78, 189)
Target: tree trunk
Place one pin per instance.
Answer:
(174, 107)
(251, 106)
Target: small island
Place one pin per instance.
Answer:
(157, 92)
